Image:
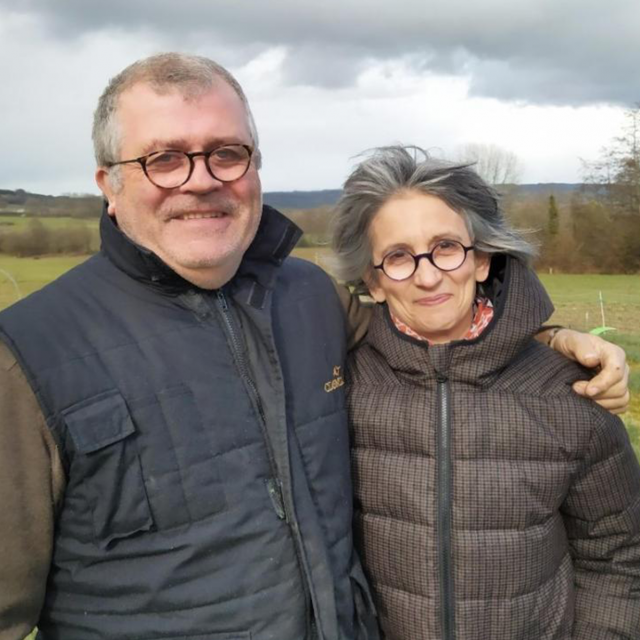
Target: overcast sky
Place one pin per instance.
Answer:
(546, 79)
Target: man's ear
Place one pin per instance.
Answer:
(104, 184)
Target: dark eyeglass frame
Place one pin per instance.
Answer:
(428, 256)
(190, 155)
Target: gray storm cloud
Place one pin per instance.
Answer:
(541, 51)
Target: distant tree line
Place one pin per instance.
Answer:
(21, 202)
(592, 229)
(600, 229)
(36, 238)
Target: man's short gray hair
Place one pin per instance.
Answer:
(165, 72)
(394, 170)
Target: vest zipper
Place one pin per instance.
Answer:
(444, 509)
(274, 485)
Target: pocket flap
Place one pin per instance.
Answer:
(98, 421)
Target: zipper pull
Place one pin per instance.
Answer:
(222, 300)
(441, 378)
(275, 493)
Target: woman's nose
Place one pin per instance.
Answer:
(427, 275)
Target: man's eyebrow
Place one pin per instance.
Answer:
(180, 144)
(163, 145)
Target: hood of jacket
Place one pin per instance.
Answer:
(521, 306)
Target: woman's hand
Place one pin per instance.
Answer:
(610, 387)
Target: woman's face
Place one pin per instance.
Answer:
(436, 304)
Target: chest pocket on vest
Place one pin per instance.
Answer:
(106, 497)
(140, 465)
(179, 463)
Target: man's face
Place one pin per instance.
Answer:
(201, 229)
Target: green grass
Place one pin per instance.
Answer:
(631, 344)
(17, 223)
(577, 302)
(576, 298)
(30, 274)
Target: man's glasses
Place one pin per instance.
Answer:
(171, 169)
(447, 255)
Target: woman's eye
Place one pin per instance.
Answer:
(447, 245)
(398, 256)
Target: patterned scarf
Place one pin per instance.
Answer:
(483, 313)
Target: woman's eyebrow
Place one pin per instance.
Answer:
(433, 240)
(395, 247)
(450, 235)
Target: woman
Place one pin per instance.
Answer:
(491, 501)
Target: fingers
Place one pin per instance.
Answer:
(615, 399)
(610, 387)
(582, 347)
(616, 406)
(611, 382)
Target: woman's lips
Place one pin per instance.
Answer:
(433, 301)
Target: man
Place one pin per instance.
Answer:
(173, 444)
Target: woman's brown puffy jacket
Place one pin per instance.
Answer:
(492, 503)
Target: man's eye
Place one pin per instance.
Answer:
(165, 160)
(229, 155)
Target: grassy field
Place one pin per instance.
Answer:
(577, 302)
(30, 274)
(576, 298)
(16, 223)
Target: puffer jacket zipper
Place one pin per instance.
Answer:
(445, 485)
(274, 488)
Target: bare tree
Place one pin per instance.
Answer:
(612, 193)
(614, 178)
(494, 164)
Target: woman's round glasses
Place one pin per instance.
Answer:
(171, 169)
(447, 255)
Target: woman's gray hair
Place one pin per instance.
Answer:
(394, 170)
(165, 72)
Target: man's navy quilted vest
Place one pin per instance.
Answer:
(205, 438)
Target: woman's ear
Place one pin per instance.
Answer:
(483, 264)
(375, 290)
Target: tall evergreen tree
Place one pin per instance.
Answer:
(553, 221)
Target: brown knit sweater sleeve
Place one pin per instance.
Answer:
(31, 487)
(602, 516)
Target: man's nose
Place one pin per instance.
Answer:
(427, 274)
(201, 180)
